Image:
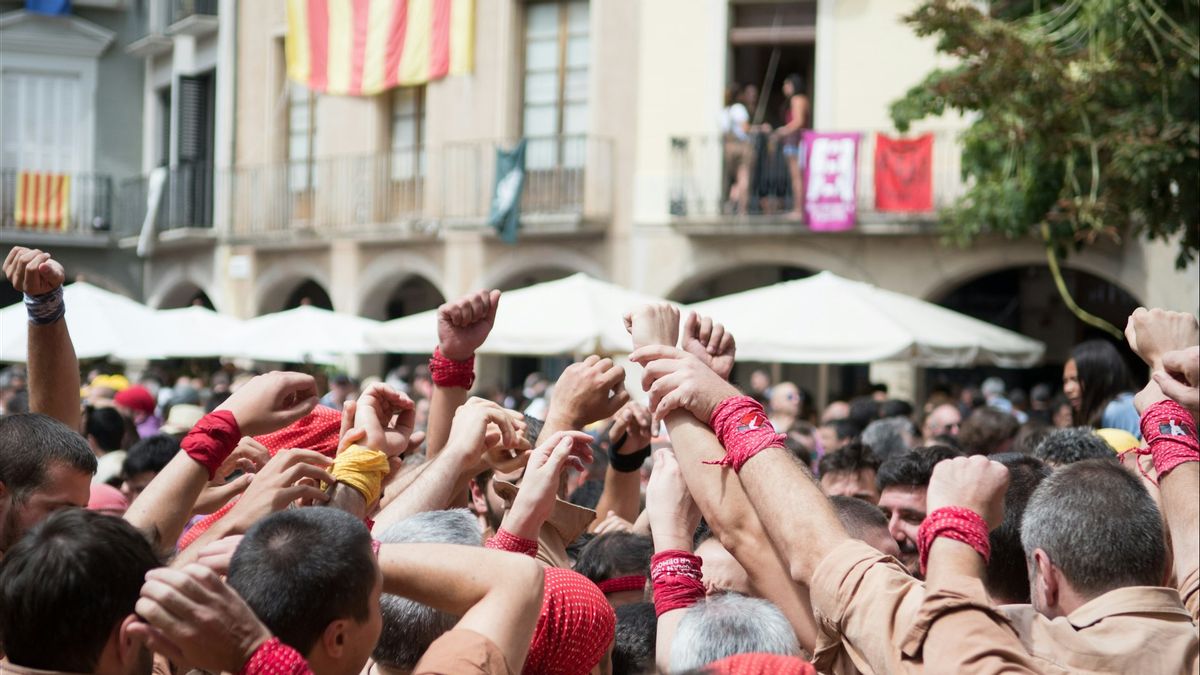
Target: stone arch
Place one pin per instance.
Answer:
(536, 259)
(380, 280)
(972, 268)
(179, 290)
(278, 280)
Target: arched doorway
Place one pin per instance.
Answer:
(307, 292)
(185, 294)
(533, 276)
(736, 280)
(412, 295)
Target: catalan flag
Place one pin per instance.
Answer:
(363, 47)
(43, 200)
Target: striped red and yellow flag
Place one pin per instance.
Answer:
(43, 200)
(363, 47)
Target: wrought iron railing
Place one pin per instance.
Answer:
(184, 201)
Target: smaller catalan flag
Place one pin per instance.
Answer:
(363, 47)
(43, 200)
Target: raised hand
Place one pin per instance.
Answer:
(975, 483)
(656, 324)
(464, 324)
(635, 422)
(481, 427)
(193, 617)
(672, 512)
(1154, 332)
(547, 465)
(291, 475)
(708, 341)
(676, 379)
(1180, 378)
(271, 402)
(33, 272)
(588, 391)
(248, 457)
(386, 418)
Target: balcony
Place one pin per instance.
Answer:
(703, 169)
(36, 205)
(192, 17)
(184, 203)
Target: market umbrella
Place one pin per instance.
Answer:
(574, 315)
(828, 319)
(194, 332)
(102, 324)
(303, 334)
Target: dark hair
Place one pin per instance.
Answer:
(913, 468)
(732, 91)
(615, 554)
(634, 641)
(1097, 523)
(863, 411)
(852, 458)
(19, 403)
(30, 443)
(107, 426)
(1007, 577)
(797, 82)
(844, 429)
(792, 441)
(1102, 375)
(587, 495)
(1029, 436)
(857, 516)
(150, 455)
(1074, 444)
(894, 407)
(302, 569)
(986, 430)
(66, 585)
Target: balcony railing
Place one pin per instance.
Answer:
(185, 201)
(55, 203)
(703, 170)
(182, 9)
(329, 196)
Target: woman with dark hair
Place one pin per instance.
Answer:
(795, 117)
(1096, 382)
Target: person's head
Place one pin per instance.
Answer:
(902, 481)
(1029, 436)
(749, 95)
(760, 381)
(836, 410)
(793, 84)
(730, 624)
(722, 573)
(888, 437)
(485, 503)
(865, 523)
(409, 627)
(144, 461)
(44, 467)
(311, 577)
(1040, 396)
(836, 434)
(136, 402)
(105, 429)
(801, 440)
(1073, 444)
(1090, 528)
(1007, 578)
(785, 399)
(1094, 374)
(863, 411)
(108, 500)
(732, 90)
(633, 645)
(613, 556)
(1062, 415)
(850, 472)
(988, 431)
(67, 592)
(944, 419)
(992, 388)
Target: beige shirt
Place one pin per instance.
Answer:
(888, 622)
(462, 652)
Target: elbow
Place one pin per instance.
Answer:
(529, 580)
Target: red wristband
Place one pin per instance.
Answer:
(743, 430)
(957, 523)
(1168, 430)
(677, 580)
(504, 540)
(275, 658)
(447, 373)
(633, 582)
(212, 440)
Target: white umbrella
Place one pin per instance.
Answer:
(195, 332)
(303, 334)
(574, 315)
(102, 323)
(828, 319)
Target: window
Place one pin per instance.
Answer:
(163, 104)
(302, 129)
(407, 133)
(557, 52)
(41, 120)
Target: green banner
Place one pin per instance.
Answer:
(505, 214)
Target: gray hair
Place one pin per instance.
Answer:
(410, 627)
(727, 625)
(888, 437)
(1097, 524)
(1067, 446)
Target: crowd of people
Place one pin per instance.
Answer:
(269, 524)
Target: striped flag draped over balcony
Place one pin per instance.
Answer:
(43, 200)
(363, 47)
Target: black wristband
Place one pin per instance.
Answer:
(626, 463)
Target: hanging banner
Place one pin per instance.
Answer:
(505, 214)
(904, 174)
(830, 177)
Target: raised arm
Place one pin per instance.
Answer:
(498, 594)
(548, 464)
(375, 434)
(673, 518)
(463, 325)
(630, 434)
(586, 392)
(53, 368)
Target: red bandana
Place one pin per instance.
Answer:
(575, 628)
(318, 430)
(762, 664)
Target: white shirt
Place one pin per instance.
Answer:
(732, 119)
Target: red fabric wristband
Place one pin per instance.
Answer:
(275, 658)
(677, 580)
(504, 540)
(743, 430)
(447, 373)
(633, 582)
(212, 440)
(1170, 435)
(957, 523)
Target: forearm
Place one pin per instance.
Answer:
(431, 491)
(556, 420)
(401, 483)
(622, 495)
(165, 505)
(348, 499)
(1179, 489)
(442, 406)
(53, 373)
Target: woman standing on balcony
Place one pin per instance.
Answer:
(735, 132)
(795, 117)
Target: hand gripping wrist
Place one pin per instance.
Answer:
(362, 469)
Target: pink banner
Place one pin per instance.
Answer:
(830, 176)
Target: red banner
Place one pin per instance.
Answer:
(904, 174)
